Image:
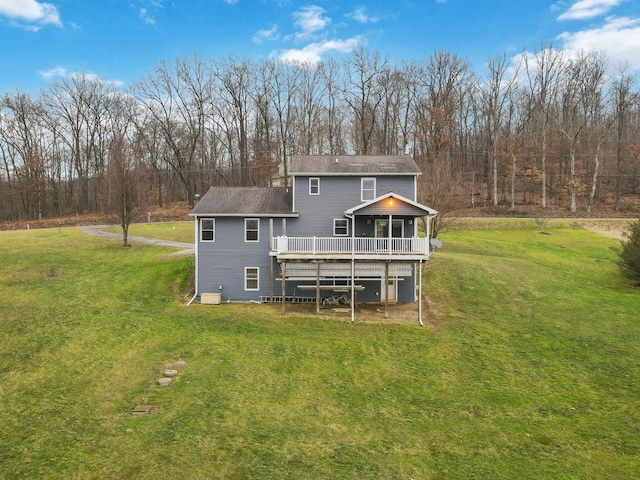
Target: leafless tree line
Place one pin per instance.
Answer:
(544, 129)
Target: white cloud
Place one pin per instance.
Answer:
(266, 35)
(618, 38)
(147, 17)
(54, 72)
(66, 73)
(360, 15)
(313, 52)
(231, 2)
(585, 9)
(34, 13)
(310, 20)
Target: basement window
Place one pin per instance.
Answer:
(251, 278)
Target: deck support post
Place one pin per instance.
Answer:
(271, 279)
(284, 285)
(419, 265)
(386, 289)
(318, 287)
(353, 289)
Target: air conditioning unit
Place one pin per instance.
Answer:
(211, 298)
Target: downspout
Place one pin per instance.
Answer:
(420, 295)
(196, 236)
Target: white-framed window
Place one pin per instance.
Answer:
(367, 189)
(207, 229)
(252, 278)
(340, 227)
(314, 186)
(251, 230)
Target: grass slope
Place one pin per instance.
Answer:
(532, 369)
(174, 231)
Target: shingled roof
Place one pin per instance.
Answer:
(353, 165)
(244, 201)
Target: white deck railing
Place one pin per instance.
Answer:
(350, 245)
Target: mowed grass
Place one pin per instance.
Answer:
(174, 231)
(530, 368)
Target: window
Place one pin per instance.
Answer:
(314, 186)
(368, 189)
(251, 278)
(251, 230)
(340, 227)
(208, 230)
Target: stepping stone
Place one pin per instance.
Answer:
(142, 410)
(179, 364)
(165, 382)
(171, 373)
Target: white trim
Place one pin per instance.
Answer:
(257, 279)
(384, 292)
(257, 230)
(428, 211)
(317, 179)
(354, 174)
(253, 215)
(362, 190)
(346, 226)
(212, 229)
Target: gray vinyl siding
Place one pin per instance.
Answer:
(337, 194)
(222, 263)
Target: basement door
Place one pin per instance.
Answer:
(391, 292)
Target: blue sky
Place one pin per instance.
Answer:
(121, 40)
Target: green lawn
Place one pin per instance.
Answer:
(530, 369)
(174, 231)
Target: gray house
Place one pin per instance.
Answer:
(346, 224)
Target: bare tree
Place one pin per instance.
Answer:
(178, 98)
(363, 94)
(581, 96)
(495, 98)
(127, 192)
(623, 99)
(543, 74)
(443, 82)
(234, 84)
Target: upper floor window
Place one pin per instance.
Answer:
(208, 230)
(340, 227)
(367, 189)
(251, 230)
(314, 186)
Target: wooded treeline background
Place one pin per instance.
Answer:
(545, 130)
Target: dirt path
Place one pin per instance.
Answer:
(99, 231)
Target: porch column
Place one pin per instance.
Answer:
(390, 232)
